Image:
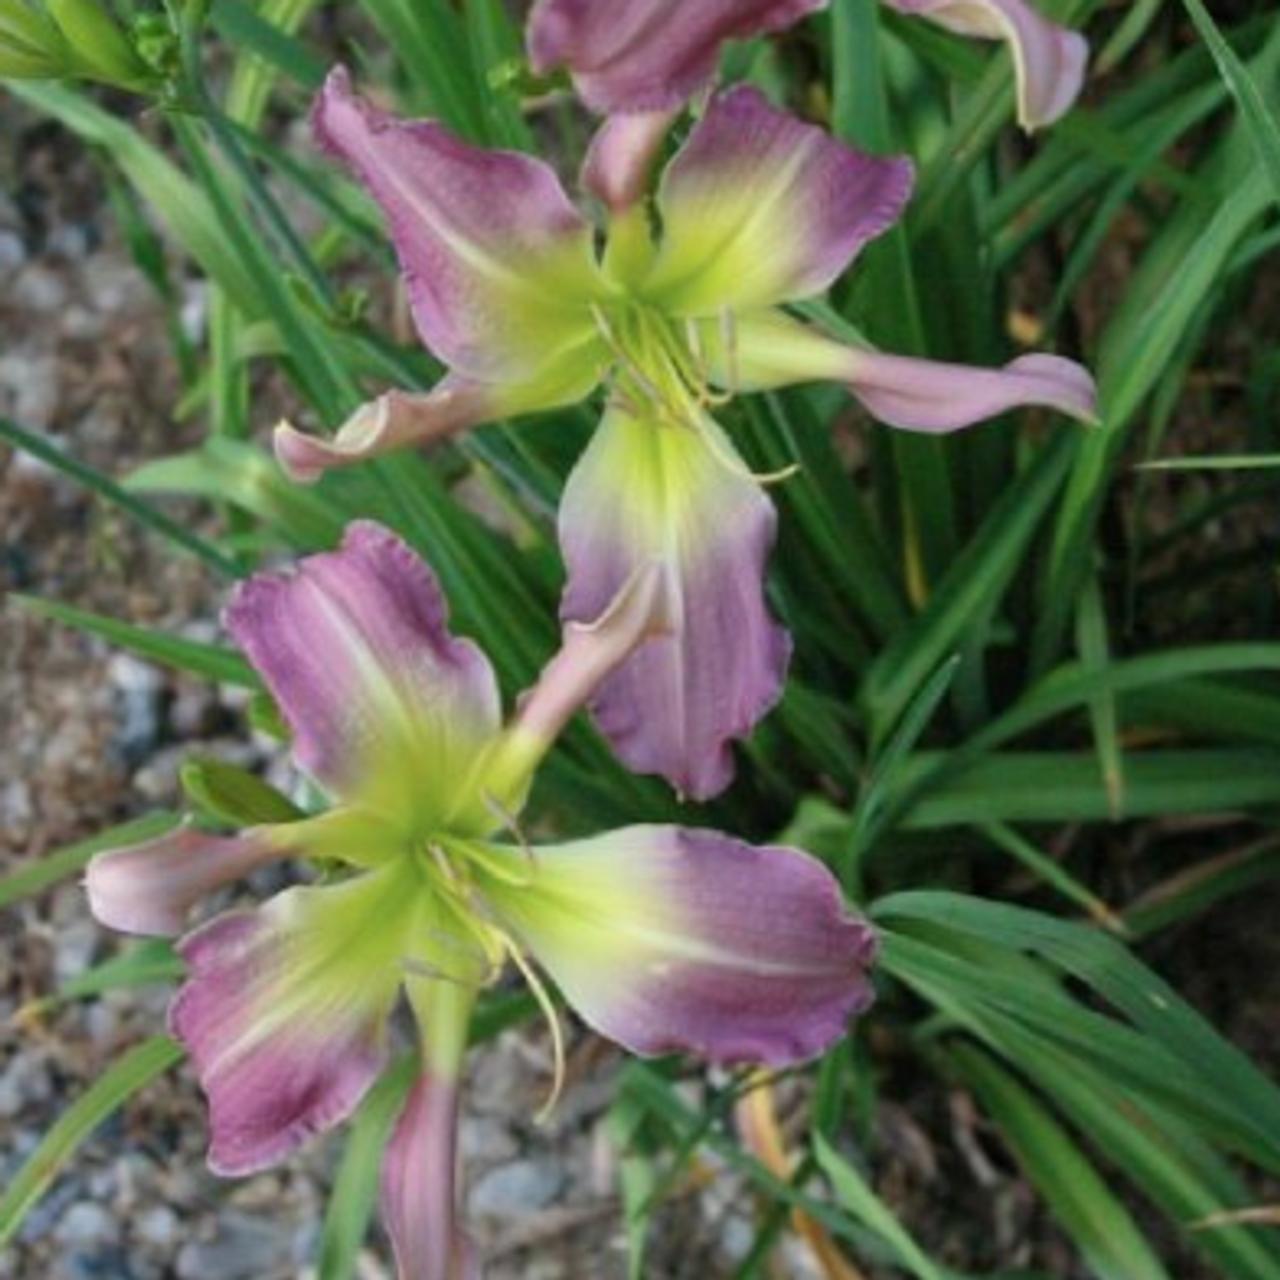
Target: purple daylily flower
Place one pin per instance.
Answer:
(757, 209)
(663, 938)
(654, 55)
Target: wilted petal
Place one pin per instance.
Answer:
(1049, 60)
(402, 419)
(419, 1168)
(674, 940)
(387, 708)
(390, 422)
(759, 207)
(770, 349)
(149, 888)
(284, 1011)
(418, 1187)
(647, 55)
(648, 491)
(499, 264)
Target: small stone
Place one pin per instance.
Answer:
(86, 1223)
(29, 387)
(13, 253)
(486, 1140)
(195, 712)
(74, 947)
(244, 1248)
(70, 240)
(139, 697)
(25, 1080)
(16, 809)
(157, 1227)
(525, 1186)
(38, 288)
(157, 780)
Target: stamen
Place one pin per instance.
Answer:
(707, 397)
(495, 867)
(731, 462)
(512, 823)
(547, 1005)
(729, 341)
(621, 354)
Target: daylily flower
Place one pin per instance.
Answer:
(757, 209)
(663, 938)
(654, 55)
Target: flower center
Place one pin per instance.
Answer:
(661, 371)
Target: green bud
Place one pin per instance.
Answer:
(99, 48)
(514, 75)
(156, 43)
(235, 796)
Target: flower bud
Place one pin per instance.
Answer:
(99, 49)
(31, 47)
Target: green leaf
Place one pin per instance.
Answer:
(115, 1086)
(1095, 657)
(53, 867)
(970, 590)
(355, 1187)
(247, 28)
(96, 482)
(182, 206)
(1258, 117)
(1229, 1079)
(637, 1176)
(140, 965)
(238, 472)
(856, 1195)
(1080, 1199)
(209, 660)
(234, 795)
(1064, 786)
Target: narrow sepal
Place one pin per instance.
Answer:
(150, 888)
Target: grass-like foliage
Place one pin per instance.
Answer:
(1009, 643)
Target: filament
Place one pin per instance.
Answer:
(547, 1005)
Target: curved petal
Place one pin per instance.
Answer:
(770, 349)
(674, 940)
(647, 491)
(284, 1011)
(647, 55)
(928, 395)
(387, 708)
(588, 654)
(1049, 60)
(620, 158)
(759, 207)
(149, 888)
(499, 265)
(402, 419)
